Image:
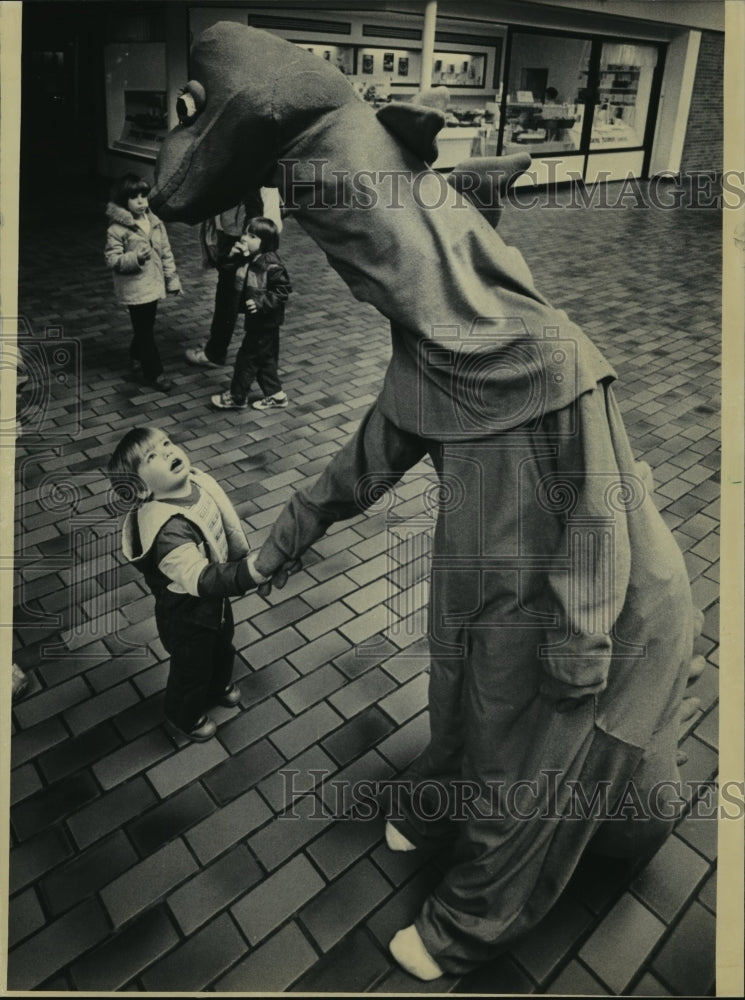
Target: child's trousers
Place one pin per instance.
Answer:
(143, 347)
(201, 668)
(257, 360)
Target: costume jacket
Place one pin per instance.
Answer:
(191, 552)
(136, 283)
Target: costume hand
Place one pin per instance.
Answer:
(251, 306)
(279, 579)
(143, 255)
(175, 291)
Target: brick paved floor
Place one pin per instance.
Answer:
(136, 864)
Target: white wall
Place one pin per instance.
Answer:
(675, 102)
(705, 14)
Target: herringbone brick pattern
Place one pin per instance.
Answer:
(139, 864)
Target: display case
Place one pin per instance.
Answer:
(459, 69)
(136, 97)
(344, 57)
(386, 66)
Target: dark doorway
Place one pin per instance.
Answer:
(534, 81)
(60, 84)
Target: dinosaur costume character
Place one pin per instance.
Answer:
(560, 620)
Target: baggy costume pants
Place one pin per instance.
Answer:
(561, 635)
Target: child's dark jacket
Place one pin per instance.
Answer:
(192, 553)
(263, 278)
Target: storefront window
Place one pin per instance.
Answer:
(543, 112)
(623, 95)
(136, 96)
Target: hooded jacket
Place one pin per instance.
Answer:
(136, 283)
(191, 552)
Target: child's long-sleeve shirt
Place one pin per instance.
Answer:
(192, 552)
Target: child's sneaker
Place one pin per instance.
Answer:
(276, 402)
(225, 401)
(197, 356)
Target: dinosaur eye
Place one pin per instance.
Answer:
(190, 102)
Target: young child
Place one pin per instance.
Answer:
(187, 540)
(140, 257)
(265, 288)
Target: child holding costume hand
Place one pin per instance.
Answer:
(186, 538)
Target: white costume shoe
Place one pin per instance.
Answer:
(408, 949)
(396, 841)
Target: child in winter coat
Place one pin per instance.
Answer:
(139, 254)
(187, 540)
(265, 288)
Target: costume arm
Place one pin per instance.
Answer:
(180, 557)
(588, 593)
(374, 459)
(170, 274)
(125, 262)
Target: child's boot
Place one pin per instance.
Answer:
(204, 729)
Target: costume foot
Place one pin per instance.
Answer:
(21, 683)
(698, 622)
(698, 665)
(396, 841)
(197, 356)
(688, 708)
(408, 949)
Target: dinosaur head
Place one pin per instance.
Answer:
(250, 95)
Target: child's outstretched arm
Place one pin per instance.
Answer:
(180, 556)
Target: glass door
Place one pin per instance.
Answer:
(624, 88)
(623, 91)
(567, 98)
